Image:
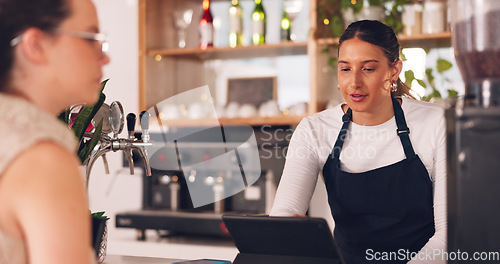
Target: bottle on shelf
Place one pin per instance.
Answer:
(206, 27)
(285, 27)
(258, 24)
(235, 24)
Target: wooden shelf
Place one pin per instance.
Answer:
(252, 121)
(278, 49)
(421, 40)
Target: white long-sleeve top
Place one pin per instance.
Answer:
(366, 148)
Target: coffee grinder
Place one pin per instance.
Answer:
(474, 132)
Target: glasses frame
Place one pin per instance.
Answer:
(101, 38)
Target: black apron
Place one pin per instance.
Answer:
(388, 209)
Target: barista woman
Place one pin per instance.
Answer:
(382, 155)
(50, 59)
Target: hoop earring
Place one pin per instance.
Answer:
(394, 87)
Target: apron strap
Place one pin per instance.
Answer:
(403, 130)
(346, 119)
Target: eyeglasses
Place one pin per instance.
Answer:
(98, 38)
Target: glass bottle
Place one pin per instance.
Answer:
(258, 24)
(285, 27)
(206, 27)
(235, 24)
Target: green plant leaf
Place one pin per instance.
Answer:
(99, 215)
(402, 56)
(409, 77)
(326, 50)
(357, 7)
(90, 144)
(452, 93)
(422, 83)
(87, 147)
(64, 116)
(332, 61)
(436, 93)
(83, 120)
(430, 76)
(80, 124)
(443, 65)
(336, 26)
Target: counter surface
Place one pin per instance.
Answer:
(114, 259)
(176, 247)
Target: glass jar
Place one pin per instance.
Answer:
(434, 17)
(412, 19)
(476, 43)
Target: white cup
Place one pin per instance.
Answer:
(269, 108)
(170, 111)
(198, 110)
(232, 110)
(247, 110)
(298, 109)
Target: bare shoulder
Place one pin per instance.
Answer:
(44, 174)
(47, 204)
(44, 161)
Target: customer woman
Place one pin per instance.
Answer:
(382, 156)
(50, 59)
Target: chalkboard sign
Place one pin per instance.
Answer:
(253, 91)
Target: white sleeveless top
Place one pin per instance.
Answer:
(21, 126)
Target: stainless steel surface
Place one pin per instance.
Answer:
(103, 114)
(473, 134)
(106, 144)
(116, 118)
(474, 180)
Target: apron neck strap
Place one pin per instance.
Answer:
(346, 119)
(403, 131)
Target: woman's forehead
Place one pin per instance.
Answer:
(359, 50)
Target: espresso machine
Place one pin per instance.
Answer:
(473, 131)
(168, 204)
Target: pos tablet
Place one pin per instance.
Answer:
(276, 240)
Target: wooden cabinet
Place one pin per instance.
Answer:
(166, 70)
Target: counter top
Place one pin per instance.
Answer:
(114, 259)
(177, 247)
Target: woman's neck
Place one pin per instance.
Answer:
(37, 98)
(365, 118)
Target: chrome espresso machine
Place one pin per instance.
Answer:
(474, 133)
(167, 204)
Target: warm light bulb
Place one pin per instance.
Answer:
(206, 4)
(326, 21)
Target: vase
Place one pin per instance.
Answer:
(103, 246)
(99, 238)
